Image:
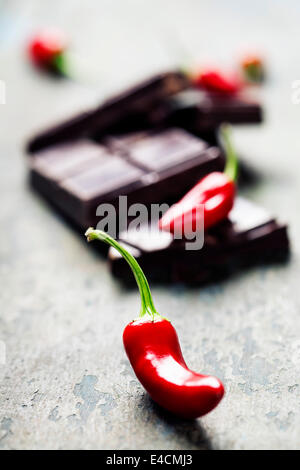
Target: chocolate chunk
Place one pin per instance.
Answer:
(110, 176)
(153, 168)
(200, 111)
(79, 194)
(65, 160)
(123, 142)
(249, 237)
(167, 149)
(137, 100)
(158, 151)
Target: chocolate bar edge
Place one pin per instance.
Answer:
(254, 253)
(157, 87)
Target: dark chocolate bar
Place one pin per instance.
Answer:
(153, 167)
(202, 112)
(129, 105)
(249, 237)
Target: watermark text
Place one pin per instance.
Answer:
(136, 219)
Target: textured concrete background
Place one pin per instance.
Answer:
(66, 382)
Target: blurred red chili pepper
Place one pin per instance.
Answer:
(47, 49)
(153, 349)
(215, 193)
(214, 81)
(253, 68)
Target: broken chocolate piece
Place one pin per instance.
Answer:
(249, 237)
(167, 149)
(65, 160)
(201, 112)
(152, 168)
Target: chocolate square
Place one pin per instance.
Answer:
(68, 159)
(166, 149)
(112, 176)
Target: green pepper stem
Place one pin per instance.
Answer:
(61, 65)
(231, 167)
(147, 305)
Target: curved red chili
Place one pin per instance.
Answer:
(154, 352)
(215, 193)
(153, 349)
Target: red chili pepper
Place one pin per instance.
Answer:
(215, 193)
(253, 68)
(153, 349)
(47, 50)
(214, 81)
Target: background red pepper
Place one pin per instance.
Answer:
(253, 68)
(215, 192)
(153, 349)
(47, 49)
(215, 81)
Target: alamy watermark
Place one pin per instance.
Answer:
(2, 92)
(138, 217)
(2, 353)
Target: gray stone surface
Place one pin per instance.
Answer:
(66, 382)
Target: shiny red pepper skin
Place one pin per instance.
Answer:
(154, 352)
(45, 47)
(215, 192)
(214, 81)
